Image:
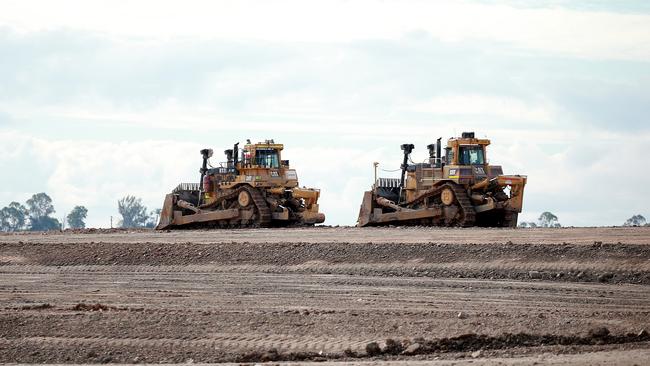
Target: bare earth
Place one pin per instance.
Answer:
(426, 296)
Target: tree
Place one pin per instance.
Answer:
(13, 217)
(40, 208)
(77, 216)
(547, 219)
(134, 213)
(44, 223)
(636, 220)
(40, 205)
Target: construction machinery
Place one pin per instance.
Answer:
(458, 189)
(253, 188)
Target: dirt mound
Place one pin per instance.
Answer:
(37, 307)
(92, 307)
(625, 263)
(462, 343)
(475, 342)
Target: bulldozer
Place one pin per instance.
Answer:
(458, 189)
(254, 187)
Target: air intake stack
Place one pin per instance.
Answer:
(407, 148)
(435, 151)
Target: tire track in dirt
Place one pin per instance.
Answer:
(316, 301)
(282, 342)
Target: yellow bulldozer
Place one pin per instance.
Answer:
(253, 188)
(458, 189)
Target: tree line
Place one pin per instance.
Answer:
(36, 215)
(547, 219)
(134, 213)
(636, 220)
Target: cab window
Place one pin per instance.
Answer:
(449, 155)
(471, 155)
(267, 158)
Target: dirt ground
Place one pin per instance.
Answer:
(330, 295)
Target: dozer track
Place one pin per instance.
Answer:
(262, 217)
(426, 209)
(263, 209)
(468, 215)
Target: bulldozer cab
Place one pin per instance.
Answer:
(261, 164)
(264, 155)
(267, 158)
(466, 150)
(471, 155)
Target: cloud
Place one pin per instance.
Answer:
(610, 106)
(5, 119)
(92, 173)
(66, 66)
(555, 29)
(622, 6)
(486, 105)
(76, 75)
(361, 88)
(587, 178)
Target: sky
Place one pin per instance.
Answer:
(100, 99)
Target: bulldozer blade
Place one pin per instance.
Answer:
(365, 212)
(170, 218)
(167, 213)
(373, 216)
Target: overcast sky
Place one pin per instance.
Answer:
(100, 99)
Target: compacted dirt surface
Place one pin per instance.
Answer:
(329, 295)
